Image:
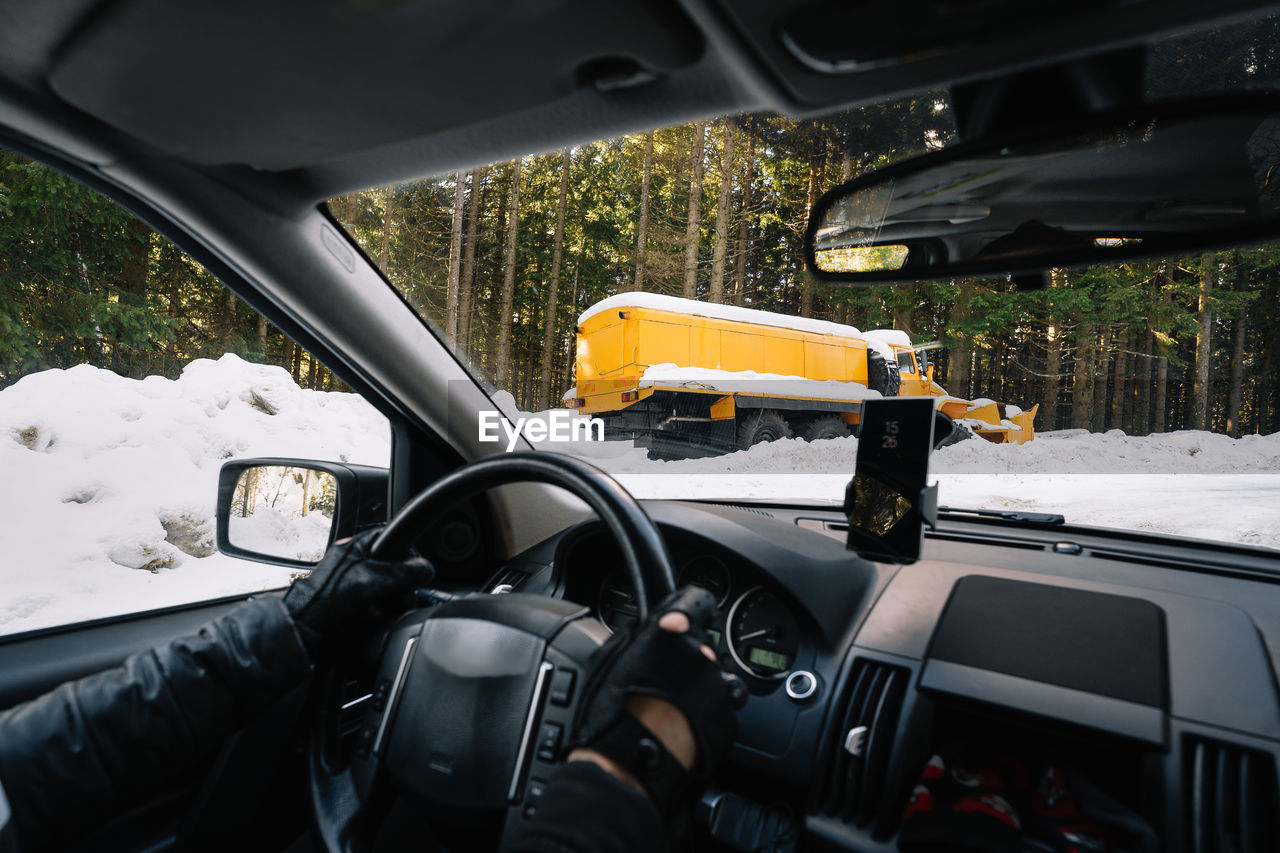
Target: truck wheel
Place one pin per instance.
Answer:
(826, 426)
(761, 425)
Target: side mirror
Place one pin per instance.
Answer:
(288, 511)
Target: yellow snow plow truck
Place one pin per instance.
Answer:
(688, 378)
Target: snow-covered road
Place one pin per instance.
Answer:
(106, 477)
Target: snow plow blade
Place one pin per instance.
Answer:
(992, 422)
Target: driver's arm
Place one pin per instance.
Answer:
(659, 718)
(76, 757)
(73, 759)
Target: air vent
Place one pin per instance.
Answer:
(756, 510)
(507, 580)
(1231, 798)
(872, 703)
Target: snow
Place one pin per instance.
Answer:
(694, 307)
(749, 381)
(878, 340)
(104, 474)
(1186, 483)
(271, 531)
(108, 505)
(888, 337)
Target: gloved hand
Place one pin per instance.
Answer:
(350, 590)
(657, 708)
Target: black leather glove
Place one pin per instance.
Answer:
(350, 590)
(652, 661)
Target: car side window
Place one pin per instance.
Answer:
(128, 375)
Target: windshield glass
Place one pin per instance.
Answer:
(642, 302)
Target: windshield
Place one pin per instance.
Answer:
(642, 302)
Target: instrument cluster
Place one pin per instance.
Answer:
(755, 633)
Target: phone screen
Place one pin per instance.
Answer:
(892, 471)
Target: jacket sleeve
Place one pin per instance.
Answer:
(587, 810)
(83, 753)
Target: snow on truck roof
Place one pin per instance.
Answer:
(878, 339)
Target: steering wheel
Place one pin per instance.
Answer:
(475, 698)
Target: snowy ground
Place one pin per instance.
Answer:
(109, 483)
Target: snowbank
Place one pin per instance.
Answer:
(110, 483)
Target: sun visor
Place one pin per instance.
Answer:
(286, 84)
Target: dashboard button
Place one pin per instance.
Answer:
(802, 686)
(562, 686)
(549, 741)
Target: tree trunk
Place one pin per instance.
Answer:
(549, 336)
(1120, 389)
(1102, 358)
(455, 262)
(350, 207)
(311, 371)
(642, 226)
(716, 290)
(744, 222)
(133, 287)
(1267, 381)
(1204, 342)
(466, 276)
(502, 370)
(1082, 389)
(694, 222)
(1237, 373)
(1162, 391)
(1052, 364)
(262, 337)
(1142, 416)
(806, 281)
(958, 352)
(904, 314)
(295, 363)
(228, 323)
(384, 257)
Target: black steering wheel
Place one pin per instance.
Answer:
(474, 699)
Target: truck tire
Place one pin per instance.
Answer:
(760, 425)
(883, 375)
(824, 426)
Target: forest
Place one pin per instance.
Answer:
(501, 259)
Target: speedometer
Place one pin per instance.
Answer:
(616, 604)
(764, 636)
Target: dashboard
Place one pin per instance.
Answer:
(1144, 666)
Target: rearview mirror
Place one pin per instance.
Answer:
(1160, 180)
(288, 511)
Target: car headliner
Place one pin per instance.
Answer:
(297, 101)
